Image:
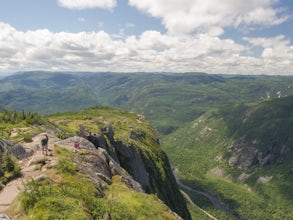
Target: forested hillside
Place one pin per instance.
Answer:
(167, 100)
(227, 135)
(243, 155)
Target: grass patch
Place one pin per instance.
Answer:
(138, 205)
(11, 169)
(74, 196)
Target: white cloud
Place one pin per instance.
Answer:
(276, 51)
(186, 16)
(83, 4)
(151, 51)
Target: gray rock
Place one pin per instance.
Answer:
(131, 158)
(40, 178)
(97, 164)
(264, 179)
(243, 155)
(37, 159)
(84, 145)
(100, 165)
(13, 148)
(100, 142)
(4, 217)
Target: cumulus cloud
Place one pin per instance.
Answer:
(186, 16)
(276, 50)
(150, 51)
(83, 4)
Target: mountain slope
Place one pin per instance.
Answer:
(120, 142)
(243, 155)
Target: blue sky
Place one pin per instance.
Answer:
(47, 14)
(227, 36)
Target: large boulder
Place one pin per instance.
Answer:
(12, 148)
(97, 164)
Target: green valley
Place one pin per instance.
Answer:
(243, 155)
(228, 135)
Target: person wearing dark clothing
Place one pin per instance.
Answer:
(44, 144)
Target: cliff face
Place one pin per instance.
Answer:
(149, 167)
(154, 174)
(132, 144)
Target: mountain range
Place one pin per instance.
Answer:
(167, 100)
(229, 136)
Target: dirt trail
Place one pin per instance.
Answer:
(29, 170)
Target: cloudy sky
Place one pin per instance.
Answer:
(213, 36)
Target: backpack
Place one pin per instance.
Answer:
(76, 144)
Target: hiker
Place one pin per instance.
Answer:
(89, 137)
(44, 144)
(76, 145)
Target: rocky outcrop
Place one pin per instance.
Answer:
(97, 164)
(138, 160)
(4, 217)
(154, 173)
(245, 154)
(99, 141)
(12, 148)
(150, 169)
(131, 159)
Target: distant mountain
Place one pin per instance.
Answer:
(168, 100)
(243, 154)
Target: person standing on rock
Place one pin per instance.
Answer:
(44, 144)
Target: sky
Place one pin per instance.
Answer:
(212, 36)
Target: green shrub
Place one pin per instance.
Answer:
(72, 198)
(27, 138)
(61, 135)
(32, 193)
(10, 167)
(58, 208)
(99, 209)
(66, 166)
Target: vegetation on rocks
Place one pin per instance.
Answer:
(134, 144)
(70, 190)
(10, 168)
(65, 193)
